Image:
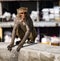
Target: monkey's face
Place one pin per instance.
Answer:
(23, 15)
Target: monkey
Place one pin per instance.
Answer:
(23, 28)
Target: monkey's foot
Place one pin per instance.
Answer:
(31, 42)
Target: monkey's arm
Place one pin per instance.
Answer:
(13, 33)
(13, 37)
(25, 37)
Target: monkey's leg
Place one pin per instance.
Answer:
(20, 34)
(32, 38)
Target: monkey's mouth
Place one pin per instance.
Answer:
(24, 18)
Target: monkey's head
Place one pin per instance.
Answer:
(22, 13)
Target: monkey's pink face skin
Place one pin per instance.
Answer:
(23, 15)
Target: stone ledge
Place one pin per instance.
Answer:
(36, 52)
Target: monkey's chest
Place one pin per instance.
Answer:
(22, 27)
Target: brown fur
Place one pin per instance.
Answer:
(23, 29)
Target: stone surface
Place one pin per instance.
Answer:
(35, 52)
(39, 52)
(6, 55)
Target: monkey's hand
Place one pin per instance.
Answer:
(18, 48)
(10, 47)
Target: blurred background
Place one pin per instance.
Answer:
(44, 13)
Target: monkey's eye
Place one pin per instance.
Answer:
(23, 13)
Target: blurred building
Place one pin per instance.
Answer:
(12, 5)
